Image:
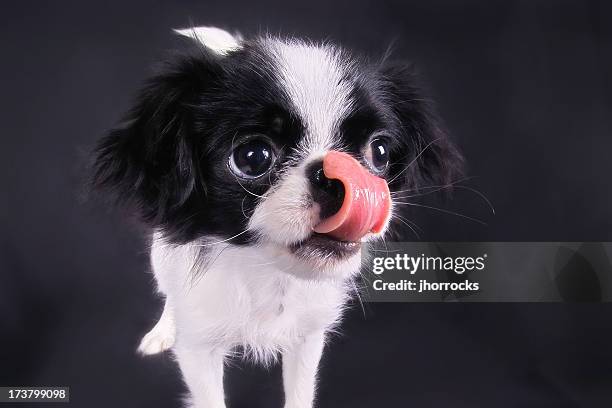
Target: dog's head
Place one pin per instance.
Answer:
(284, 144)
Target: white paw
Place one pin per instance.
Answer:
(157, 340)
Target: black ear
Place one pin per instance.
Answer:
(149, 161)
(427, 155)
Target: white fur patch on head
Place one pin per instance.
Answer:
(314, 77)
(318, 81)
(216, 39)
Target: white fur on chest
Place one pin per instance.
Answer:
(244, 296)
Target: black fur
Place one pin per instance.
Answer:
(169, 158)
(168, 161)
(428, 156)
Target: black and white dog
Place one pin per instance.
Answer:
(262, 167)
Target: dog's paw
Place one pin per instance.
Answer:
(157, 340)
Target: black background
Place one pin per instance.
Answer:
(525, 89)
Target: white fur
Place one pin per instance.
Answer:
(314, 77)
(261, 298)
(286, 216)
(216, 39)
(162, 336)
(243, 298)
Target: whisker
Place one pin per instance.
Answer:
(232, 237)
(419, 194)
(445, 211)
(383, 251)
(407, 223)
(473, 190)
(265, 263)
(242, 208)
(358, 297)
(414, 224)
(245, 189)
(416, 234)
(222, 241)
(197, 273)
(414, 160)
(452, 183)
(481, 195)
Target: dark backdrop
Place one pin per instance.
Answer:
(525, 89)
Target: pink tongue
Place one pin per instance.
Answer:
(366, 199)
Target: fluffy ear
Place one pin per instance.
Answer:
(149, 160)
(215, 39)
(431, 157)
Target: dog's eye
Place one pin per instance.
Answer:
(377, 154)
(251, 159)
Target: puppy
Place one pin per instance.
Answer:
(263, 166)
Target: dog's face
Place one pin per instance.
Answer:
(228, 143)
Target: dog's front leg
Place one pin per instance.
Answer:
(202, 370)
(300, 371)
(161, 337)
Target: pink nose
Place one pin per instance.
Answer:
(366, 204)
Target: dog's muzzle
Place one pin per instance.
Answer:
(353, 201)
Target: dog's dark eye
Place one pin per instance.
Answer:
(377, 154)
(251, 159)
